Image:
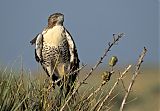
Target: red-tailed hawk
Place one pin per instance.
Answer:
(55, 50)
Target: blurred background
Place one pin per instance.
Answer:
(92, 24)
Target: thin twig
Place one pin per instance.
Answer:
(140, 60)
(109, 102)
(115, 84)
(132, 100)
(96, 91)
(123, 84)
(116, 39)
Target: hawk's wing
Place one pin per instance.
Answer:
(38, 41)
(74, 60)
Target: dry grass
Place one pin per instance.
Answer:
(16, 92)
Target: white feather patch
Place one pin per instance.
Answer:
(39, 45)
(71, 46)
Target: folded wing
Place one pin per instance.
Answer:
(38, 41)
(74, 60)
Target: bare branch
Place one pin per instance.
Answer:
(140, 60)
(116, 39)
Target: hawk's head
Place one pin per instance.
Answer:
(55, 19)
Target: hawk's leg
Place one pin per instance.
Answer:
(54, 78)
(66, 86)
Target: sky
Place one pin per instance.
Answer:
(91, 23)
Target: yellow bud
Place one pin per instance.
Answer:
(106, 76)
(113, 60)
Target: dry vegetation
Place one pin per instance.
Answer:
(27, 92)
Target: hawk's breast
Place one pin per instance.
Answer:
(55, 50)
(54, 36)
